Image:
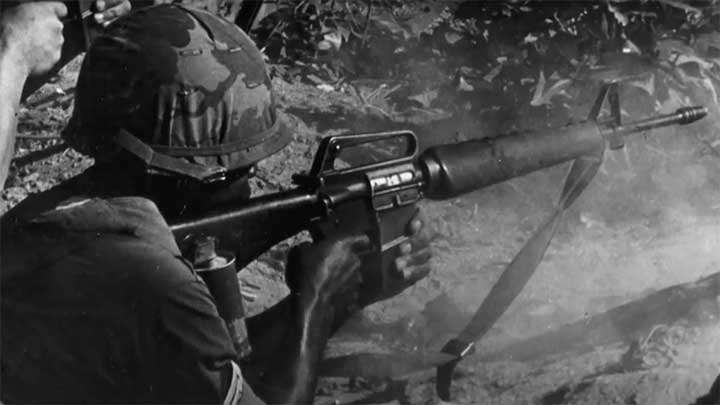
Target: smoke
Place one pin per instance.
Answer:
(649, 221)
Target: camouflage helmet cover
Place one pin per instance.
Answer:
(182, 89)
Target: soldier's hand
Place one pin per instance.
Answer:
(326, 270)
(107, 11)
(411, 264)
(32, 33)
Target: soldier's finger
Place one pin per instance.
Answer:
(401, 263)
(101, 5)
(414, 226)
(58, 8)
(357, 244)
(250, 285)
(420, 241)
(419, 257)
(413, 274)
(113, 12)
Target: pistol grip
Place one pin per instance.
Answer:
(386, 229)
(391, 231)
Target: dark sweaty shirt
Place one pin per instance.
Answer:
(98, 306)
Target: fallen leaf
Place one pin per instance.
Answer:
(684, 58)
(619, 16)
(325, 87)
(425, 98)
(647, 85)
(541, 96)
(493, 73)
(315, 79)
(335, 39)
(324, 45)
(630, 47)
(463, 85)
(344, 33)
(530, 38)
(452, 37)
(537, 95)
(702, 82)
(682, 6)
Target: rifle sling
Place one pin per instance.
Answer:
(516, 274)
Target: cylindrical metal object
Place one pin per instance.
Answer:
(451, 170)
(682, 116)
(217, 269)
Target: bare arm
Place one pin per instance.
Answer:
(289, 339)
(320, 276)
(30, 43)
(290, 372)
(12, 78)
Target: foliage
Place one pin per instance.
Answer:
(496, 57)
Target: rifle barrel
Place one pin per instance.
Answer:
(682, 116)
(454, 169)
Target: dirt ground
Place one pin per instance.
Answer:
(640, 227)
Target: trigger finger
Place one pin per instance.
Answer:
(414, 226)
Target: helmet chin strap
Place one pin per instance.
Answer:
(162, 162)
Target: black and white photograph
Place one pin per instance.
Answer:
(345, 202)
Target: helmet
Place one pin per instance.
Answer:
(181, 89)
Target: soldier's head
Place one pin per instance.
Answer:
(179, 100)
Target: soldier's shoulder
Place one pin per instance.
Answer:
(135, 217)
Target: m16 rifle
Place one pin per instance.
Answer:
(347, 193)
(377, 198)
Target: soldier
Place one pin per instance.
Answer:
(98, 305)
